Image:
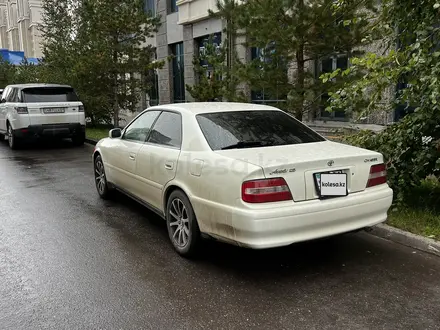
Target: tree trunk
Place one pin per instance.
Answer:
(299, 110)
(115, 92)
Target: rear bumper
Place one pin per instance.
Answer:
(285, 223)
(50, 130)
(312, 220)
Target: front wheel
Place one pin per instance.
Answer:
(101, 183)
(183, 229)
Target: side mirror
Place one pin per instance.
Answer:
(115, 133)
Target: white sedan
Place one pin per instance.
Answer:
(246, 174)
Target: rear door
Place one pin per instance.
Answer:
(157, 159)
(52, 105)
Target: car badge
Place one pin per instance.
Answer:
(330, 163)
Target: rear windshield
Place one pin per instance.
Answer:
(49, 94)
(246, 129)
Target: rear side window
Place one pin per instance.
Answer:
(49, 94)
(167, 130)
(6, 93)
(13, 95)
(246, 129)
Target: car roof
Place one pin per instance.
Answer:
(23, 86)
(210, 107)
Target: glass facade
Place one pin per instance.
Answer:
(178, 73)
(150, 6)
(173, 6)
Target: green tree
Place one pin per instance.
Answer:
(100, 48)
(293, 35)
(7, 73)
(58, 27)
(18, 74)
(411, 146)
(210, 69)
(216, 69)
(113, 42)
(26, 73)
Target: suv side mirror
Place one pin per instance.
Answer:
(115, 133)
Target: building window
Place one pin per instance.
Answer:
(327, 65)
(173, 6)
(150, 7)
(178, 73)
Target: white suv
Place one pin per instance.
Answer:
(41, 110)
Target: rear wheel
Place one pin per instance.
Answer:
(78, 140)
(14, 142)
(183, 229)
(101, 183)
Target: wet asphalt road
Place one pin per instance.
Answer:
(69, 260)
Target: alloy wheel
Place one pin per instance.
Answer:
(10, 137)
(179, 223)
(100, 177)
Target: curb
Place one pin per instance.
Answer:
(90, 141)
(405, 238)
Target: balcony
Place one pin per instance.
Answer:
(191, 11)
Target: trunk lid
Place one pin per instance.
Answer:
(298, 163)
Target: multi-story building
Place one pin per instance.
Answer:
(19, 21)
(186, 25)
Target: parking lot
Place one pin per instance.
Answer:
(69, 260)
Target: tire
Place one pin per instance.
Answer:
(13, 141)
(183, 229)
(78, 140)
(2, 137)
(101, 183)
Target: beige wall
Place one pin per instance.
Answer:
(19, 21)
(4, 42)
(194, 10)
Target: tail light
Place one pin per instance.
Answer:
(81, 108)
(264, 191)
(378, 175)
(21, 110)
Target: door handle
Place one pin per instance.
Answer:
(132, 156)
(169, 165)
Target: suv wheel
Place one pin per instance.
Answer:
(12, 139)
(78, 140)
(183, 229)
(2, 137)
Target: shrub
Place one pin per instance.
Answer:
(411, 152)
